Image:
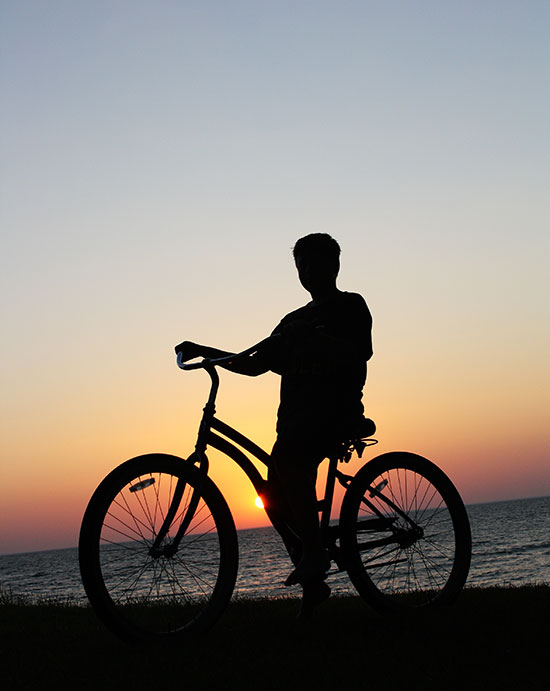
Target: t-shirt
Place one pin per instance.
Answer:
(323, 374)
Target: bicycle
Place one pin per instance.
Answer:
(158, 547)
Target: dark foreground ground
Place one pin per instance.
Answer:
(491, 639)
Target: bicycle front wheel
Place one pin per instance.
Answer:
(404, 533)
(158, 550)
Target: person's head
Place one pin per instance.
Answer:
(317, 258)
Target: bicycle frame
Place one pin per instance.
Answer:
(210, 429)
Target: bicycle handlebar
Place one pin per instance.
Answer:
(215, 362)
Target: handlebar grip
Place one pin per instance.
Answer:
(182, 364)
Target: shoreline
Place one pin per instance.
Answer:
(10, 599)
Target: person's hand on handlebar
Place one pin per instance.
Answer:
(189, 350)
(249, 362)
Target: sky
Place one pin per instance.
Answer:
(160, 159)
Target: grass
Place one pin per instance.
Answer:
(492, 638)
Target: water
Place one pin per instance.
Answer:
(511, 546)
(510, 542)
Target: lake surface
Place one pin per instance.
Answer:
(511, 546)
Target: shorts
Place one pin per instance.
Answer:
(303, 451)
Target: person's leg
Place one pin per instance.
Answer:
(293, 476)
(276, 509)
(314, 593)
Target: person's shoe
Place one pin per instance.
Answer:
(309, 570)
(314, 593)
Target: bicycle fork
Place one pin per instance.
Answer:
(157, 549)
(198, 457)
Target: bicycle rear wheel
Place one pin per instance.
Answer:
(145, 588)
(404, 534)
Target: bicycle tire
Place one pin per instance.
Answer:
(393, 565)
(143, 597)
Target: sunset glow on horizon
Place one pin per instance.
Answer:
(159, 163)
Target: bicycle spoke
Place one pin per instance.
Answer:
(126, 508)
(131, 535)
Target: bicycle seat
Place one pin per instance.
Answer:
(358, 440)
(366, 428)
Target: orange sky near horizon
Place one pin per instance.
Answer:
(490, 454)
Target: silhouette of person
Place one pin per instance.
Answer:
(321, 351)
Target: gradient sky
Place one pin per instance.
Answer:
(159, 160)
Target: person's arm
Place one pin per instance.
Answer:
(252, 365)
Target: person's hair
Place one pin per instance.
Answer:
(318, 245)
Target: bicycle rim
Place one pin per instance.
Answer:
(143, 590)
(405, 533)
